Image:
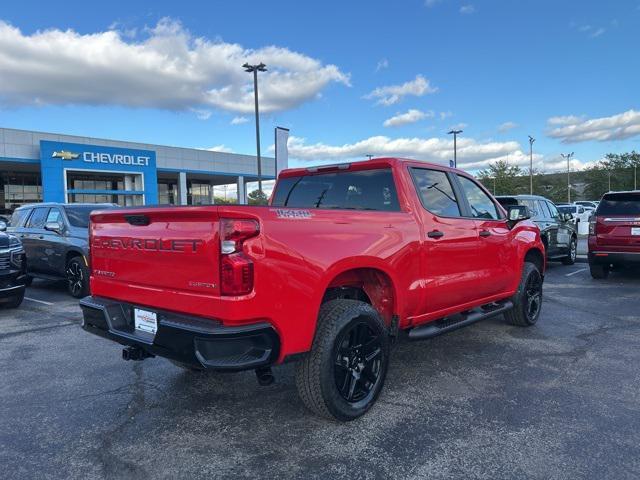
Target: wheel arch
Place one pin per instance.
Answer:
(371, 284)
(535, 256)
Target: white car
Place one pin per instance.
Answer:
(580, 213)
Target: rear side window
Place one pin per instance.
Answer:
(436, 192)
(358, 190)
(480, 203)
(38, 218)
(18, 217)
(620, 204)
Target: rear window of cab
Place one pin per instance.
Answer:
(349, 190)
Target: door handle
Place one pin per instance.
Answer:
(485, 233)
(435, 234)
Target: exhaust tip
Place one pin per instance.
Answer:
(265, 376)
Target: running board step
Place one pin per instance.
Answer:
(448, 324)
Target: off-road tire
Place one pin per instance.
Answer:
(519, 315)
(570, 259)
(15, 302)
(315, 374)
(76, 266)
(599, 271)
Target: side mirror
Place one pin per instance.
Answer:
(55, 227)
(517, 213)
(3, 226)
(567, 217)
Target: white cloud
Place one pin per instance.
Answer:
(445, 115)
(392, 94)
(382, 64)
(410, 116)
(597, 32)
(506, 126)
(201, 113)
(459, 126)
(467, 9)
(220, 148)
(472, 154)
(431, 3)
(239, 120)
(572, 129)
(168, 68)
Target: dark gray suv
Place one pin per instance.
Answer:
(55, 237)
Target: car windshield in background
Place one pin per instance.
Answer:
(359, 190)
(620, 204)
(79, 215)
(565, 209)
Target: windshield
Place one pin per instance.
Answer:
(79, 215)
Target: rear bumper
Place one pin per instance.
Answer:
(200, 342)
(618, 258)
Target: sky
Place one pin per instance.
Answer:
(348, 78)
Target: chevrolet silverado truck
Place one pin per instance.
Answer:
(342, 259)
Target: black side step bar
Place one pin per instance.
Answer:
(433, 329)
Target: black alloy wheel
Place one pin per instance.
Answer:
(77, 275)
(358, 362)
(533, 292)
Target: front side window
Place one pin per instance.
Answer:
(55, 215)
(358, 190)
(553, 210)
(436, 192)
(534, 209)
(480, 203)
(38, 218)
(544, 208)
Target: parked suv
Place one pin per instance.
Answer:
(614, 233)
(12, 269)
(55, 238)
(557, 230)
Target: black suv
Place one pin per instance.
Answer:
(557, 230)
(12, 269)
(55, 237)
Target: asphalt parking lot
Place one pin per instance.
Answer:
(559, 400)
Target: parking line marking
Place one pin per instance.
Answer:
(38, 301)
(577, 271)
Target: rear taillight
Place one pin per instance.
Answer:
(592, 226)
(236, 269)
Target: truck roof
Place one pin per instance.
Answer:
(363, 165)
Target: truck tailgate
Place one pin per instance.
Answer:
(159, 257)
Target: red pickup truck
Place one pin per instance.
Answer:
(342, 259)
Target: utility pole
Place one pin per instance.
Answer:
(369, 156)
(455, 134)
(261, 67)
(635, 177)
(531, 140)
(568, 157)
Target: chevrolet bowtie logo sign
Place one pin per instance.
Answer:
(64, 155)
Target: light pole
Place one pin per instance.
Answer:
(568, 157)
(369, 156)
(531, 140)
(261, 67)
(455, 134)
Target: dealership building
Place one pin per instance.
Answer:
(37, 167)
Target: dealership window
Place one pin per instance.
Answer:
(199, 192)
(167, 192)
(18, 189)
(104, 187)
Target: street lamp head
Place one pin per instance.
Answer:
(261, 67)
(454, 132)
(531, 139)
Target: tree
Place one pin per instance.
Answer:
(257, 197)
(501, 178)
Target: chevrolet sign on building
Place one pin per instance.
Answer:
(36, 167)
